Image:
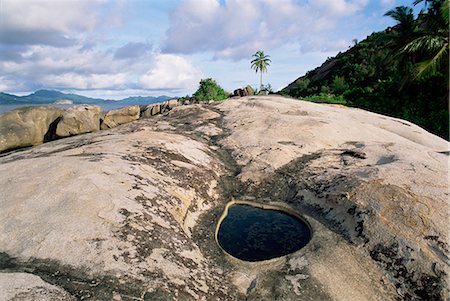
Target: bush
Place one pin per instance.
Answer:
(326, 98)
(339, 85)
(210, 90)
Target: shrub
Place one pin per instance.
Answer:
(326, 98)
(210, 90)
(339, 85)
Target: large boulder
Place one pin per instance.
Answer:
(27, 126)
(79, 120)
(159, 108)
(120, 116)
(169, 105)
(151, 110)
(247, 91)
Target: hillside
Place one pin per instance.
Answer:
(378, 75)
(51, 96)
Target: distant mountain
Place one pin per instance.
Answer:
(6, 98)
(52, 96)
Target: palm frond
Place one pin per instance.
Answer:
(401, 14)
(426, 44)
(444, 12)
(431, 66)
(260, 61)
(419, 1)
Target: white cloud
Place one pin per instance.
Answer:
(64, 16)
(46, 22)
(236, 29)
(87, 82)
(6, 84)
(170, 72)
(337, 8)
(77, 68)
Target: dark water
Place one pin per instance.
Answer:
(255, 234)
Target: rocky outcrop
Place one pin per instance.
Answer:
(247, 91)
(159, 108)
(34, 125)
(137, 216)
(151, 110)
(169, 105)
(79, 119)
(27, 126)
(120, 116)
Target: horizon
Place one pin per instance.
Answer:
(118, 49)
(75, 93)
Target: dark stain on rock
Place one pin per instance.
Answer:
(386, 160)
(78, 282)
(290, 184)
(410, 284)
(90, 156)
(355, 153)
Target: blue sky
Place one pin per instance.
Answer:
(115, 49)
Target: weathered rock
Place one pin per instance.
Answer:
(79, 119)
(379, 182)
(137, 215)
(152, 110)
(120, 116)
(27, 126)
(247, 91)
(28, 287)
(169, 105)
(238, 92)
(159, 108)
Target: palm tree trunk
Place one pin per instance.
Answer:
(260, 82)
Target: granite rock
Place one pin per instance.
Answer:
(137, 216)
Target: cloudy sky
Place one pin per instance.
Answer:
(114, 49)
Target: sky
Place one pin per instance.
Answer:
(115, 49)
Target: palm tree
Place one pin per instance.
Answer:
(425, 39)
(396, 39)
(260, 63)
(432, 43)
(405, 17)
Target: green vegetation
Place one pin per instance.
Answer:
(209, 90)
(260, 63)
(326, 98)
(402, 71)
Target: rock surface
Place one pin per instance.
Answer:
(28, 287)
(151, 110)
(120, 116)
(27, 126)
(130, 213)
(79, 119)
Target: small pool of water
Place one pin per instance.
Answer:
(253, 234)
